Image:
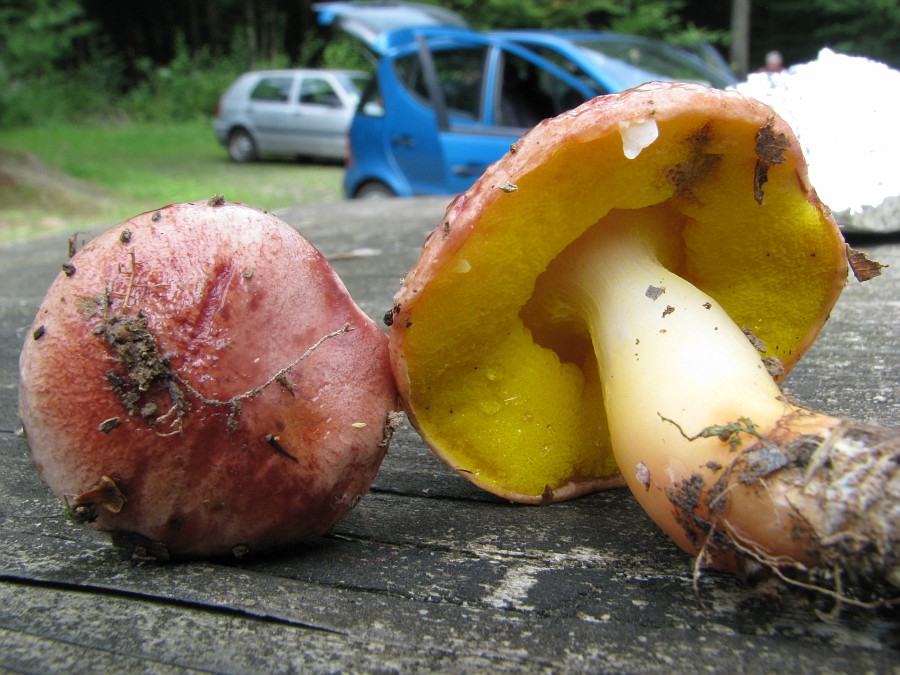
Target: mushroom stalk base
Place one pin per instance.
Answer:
(709, 446)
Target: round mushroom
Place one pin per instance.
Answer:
(618, 297)
(199, 382)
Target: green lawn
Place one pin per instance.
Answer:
(68, 178)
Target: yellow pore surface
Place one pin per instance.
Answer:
(508, 411)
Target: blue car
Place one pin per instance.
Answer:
(448, 101)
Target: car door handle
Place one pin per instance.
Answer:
(468, 169)
(403, 140)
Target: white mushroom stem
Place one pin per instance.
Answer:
(700, 430)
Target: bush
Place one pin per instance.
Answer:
(87, 91)
(51, 66)
(187, 88)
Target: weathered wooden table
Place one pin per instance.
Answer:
(428, 572)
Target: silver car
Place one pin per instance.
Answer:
(289, 113)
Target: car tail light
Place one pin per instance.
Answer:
(349, 161)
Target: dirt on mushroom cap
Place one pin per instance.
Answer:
(211, 367)
(521, 418)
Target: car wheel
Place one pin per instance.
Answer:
(241, 147)
(374, 190)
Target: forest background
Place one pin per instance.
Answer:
(170, 60)
(105, 105)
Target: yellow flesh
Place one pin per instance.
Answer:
(498, 404)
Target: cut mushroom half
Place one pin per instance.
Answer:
(581, 316)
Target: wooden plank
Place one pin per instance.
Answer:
(463, 577)
(428, 572)
(117, 633)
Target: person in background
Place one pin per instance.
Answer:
(774, 63)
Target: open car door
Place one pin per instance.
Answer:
(374, 22)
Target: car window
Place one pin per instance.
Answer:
(460, 73)
(353, 83)
(569, 66)
(372, 103)
(373, 21)
(528, 94)
(318, 91)
(634, 62)
(360, 82)
(276, 89)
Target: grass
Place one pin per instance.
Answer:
(67, 178)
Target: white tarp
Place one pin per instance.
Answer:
(844, 110)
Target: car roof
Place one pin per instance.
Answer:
(305, 71)
(568, 41)
(564, 36)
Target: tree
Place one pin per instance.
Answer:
(662, 19)
(39, 37)
(861, 27)
(63, 57)
(740, 37)
(53, 61)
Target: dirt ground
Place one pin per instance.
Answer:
(37, 199)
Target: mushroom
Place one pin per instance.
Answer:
(618, 298)
(199, 382)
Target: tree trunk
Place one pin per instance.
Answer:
(740, 37)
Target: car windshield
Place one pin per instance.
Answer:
(632, 63)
